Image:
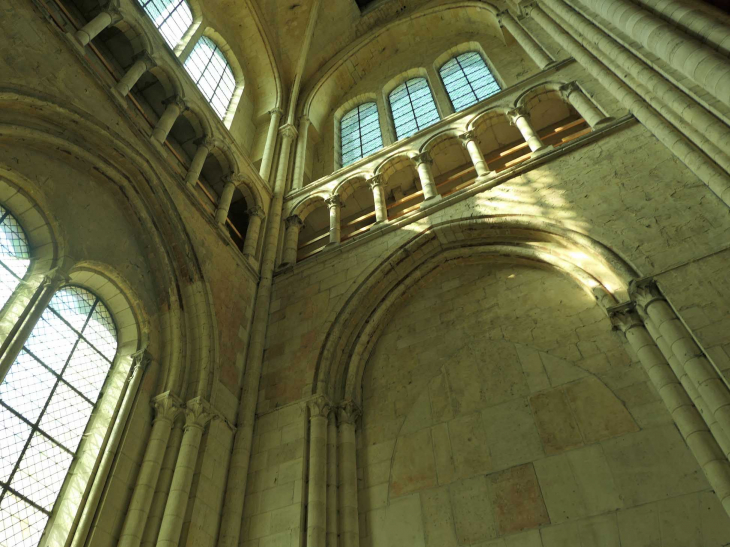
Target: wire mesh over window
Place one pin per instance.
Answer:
(171, 17)
(360, 133)
(413, 107)
(468, 80)
(46, 401)
(210, 71)
(14, 255)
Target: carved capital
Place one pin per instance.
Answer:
(468, 136)
(516, 113)
(256, 211)
(527, 9)
(112, 8)
(319, 407)
(232, 178)
(423, 157)
(198, 413)
(567, 89)
(375, 181)
(348, 412)
(167, 406)
(304, 121)
(176, 100)
(294, 220)
(142, 359)
(333, 201)
(55, 279)
(644, 292)
(288, 131)
(502, 15)
(624, 317)
(206, 141)
(146, 57)
(276, 112)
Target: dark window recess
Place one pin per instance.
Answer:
(238, 215)
(362, 4)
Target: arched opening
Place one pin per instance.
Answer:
(358, 208)
(554, 119)
(314, 233)
(403, 192)
(238, 217)
(452, 166)
(211, 72)
(501, 143)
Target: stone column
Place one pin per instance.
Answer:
(527, 42)
(698, 62)
(267, 158)
(572, 93)
(42, 297)
(347, 415)
(428, 184)
(224, 202)
(381, 209)
(205, 145)
(167, 408)
(197, 415)
(332, 509)
(92, 29)
(157, 508)
(689, 422)
(519, 119)
(291, 240)
(300, 159)
(709, 173)
(317, 491)
(335, 206)
(175, 106)
(703, 375)
(142, 63)
(469, 141)
(255, 216)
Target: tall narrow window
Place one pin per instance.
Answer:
(360, 133)
(468, 80)
(46, 401)
(14, 255)
(171, 17)
(210, 71)
(413, 107)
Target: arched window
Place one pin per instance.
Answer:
(14, 255)
(413, 107)
(46, 400)
(171, 17)
(210, 71)
(468, 80)
(360, 133)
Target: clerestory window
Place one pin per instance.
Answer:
(360, 133)
(413, 107)
(14, 255)
(171, 17)
(209, 69)
(468, 80)
(46, 400)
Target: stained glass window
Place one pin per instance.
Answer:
(360, 133)
(413, 107)
(468, 80)
(209, 70)
(14, 255)
(46, 400)
(171, 17)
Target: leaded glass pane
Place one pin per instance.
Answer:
(46, 400)
(413, 107)
(14, 255)
(171, 17)
(360, 133)
(210, 71)
(468, 80)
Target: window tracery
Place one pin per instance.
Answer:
(14, 255)
(413, 107)
(468, 80)
(360, 133)
(209, 69)
(46, 401)
(171, 17)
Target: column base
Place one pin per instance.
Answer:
(604, 122)
(331, 245)
(485, 178)
(430, 202)
(542, 151)
(378, 225)
(119, 98)
(75, 43)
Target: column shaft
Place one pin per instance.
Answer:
(469, 141)
(335, 209)
(224, 203)
(317, 490)
(166, 121)
(332, 481)
(705, 67)
(268, 156)
(527, 131)
(291, 241)
(428, 184)
(716, 179)
(583, 105)
(300, 159)
(92, 29)
(527, 42)
(381, 208)
(196, 166)
(135, 72)
(255, 216)
(349, 524)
